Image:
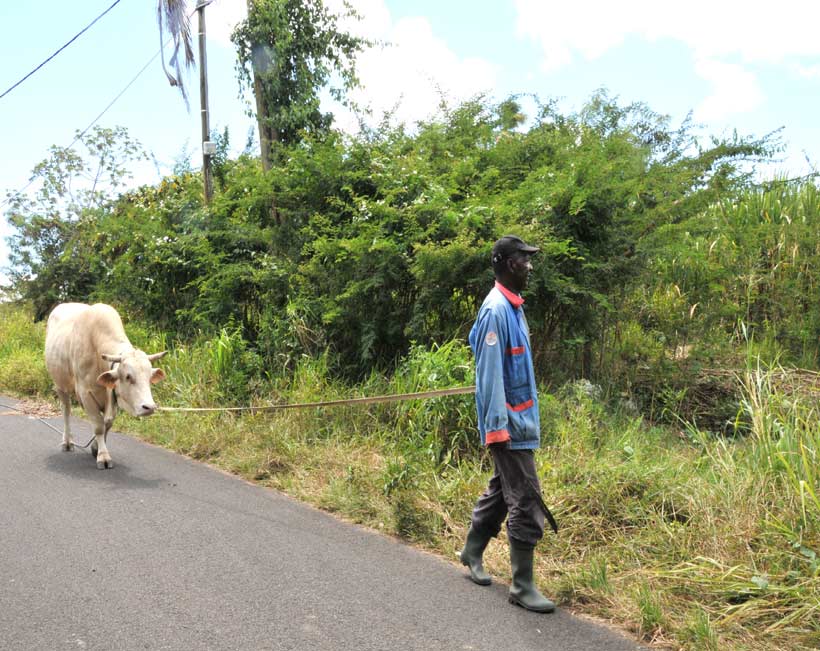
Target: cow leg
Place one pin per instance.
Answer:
(110, 411)
(98, 421)
(103, 457)
(65, 399)
(108, 420)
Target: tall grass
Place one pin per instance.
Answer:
(786, 432)
(753, 258)
(22, 364)
(685, 538)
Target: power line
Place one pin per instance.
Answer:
(111, 103)
(116, 2)
(6, 201)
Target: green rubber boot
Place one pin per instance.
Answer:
(523, 591)
(471, 555)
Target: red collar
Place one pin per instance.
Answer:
(514, 299)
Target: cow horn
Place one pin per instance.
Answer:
(115, 359)
(156, 356)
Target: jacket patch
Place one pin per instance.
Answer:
(491, 339)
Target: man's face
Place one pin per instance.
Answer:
(520, 267)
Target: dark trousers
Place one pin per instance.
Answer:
(513, 492)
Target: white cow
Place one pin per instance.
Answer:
(89, 355)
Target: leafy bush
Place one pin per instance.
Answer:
(381, 241)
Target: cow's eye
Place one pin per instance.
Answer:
(129, 378)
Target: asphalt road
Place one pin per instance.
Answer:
(162, 552)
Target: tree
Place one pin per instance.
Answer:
(288, 51)
(46, 268)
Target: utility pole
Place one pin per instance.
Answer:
(208, 147)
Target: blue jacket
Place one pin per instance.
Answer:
(506, 396)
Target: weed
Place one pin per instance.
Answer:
(700, 632)
(413, 517)
(651, 611)
(596, 577)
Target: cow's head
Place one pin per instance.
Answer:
(131, 375)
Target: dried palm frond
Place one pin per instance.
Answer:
(173, 18)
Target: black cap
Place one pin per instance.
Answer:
(510, 244)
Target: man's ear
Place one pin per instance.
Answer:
(107, 380)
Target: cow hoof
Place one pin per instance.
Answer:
(94, 449)
(104, 465)
(67, 447)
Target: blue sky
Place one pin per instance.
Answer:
(744, 65)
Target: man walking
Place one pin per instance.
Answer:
(507, 405)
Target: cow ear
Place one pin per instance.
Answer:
(107, 380)
(157, 374)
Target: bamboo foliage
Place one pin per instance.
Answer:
(754, 259)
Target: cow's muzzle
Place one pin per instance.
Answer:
(146, 409)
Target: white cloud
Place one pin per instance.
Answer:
(734, 90)
(754, 30)
(748, 33)
(563, 29)
(411, 70)
(808, 72)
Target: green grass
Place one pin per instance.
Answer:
(700, 632)
(22, 366)
(683, 538)
(651, 611)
